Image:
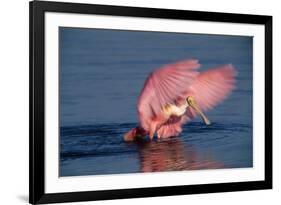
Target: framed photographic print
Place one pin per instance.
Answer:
(140, 102)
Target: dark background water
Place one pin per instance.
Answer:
(101, 75)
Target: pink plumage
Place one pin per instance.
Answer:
(172, 84)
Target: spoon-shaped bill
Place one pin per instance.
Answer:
(191, 101)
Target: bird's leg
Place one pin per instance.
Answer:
(158, 136)
(152, 130)
(151, 134)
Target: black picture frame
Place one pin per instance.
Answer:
(37, 9)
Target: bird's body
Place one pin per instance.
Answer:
(173, 94)
(174, 110)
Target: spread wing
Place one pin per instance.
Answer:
(163, 86)
(210, 88)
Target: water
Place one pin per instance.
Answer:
(101, 75)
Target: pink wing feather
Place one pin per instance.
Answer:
(208, 89)
(163, 86)
(211, 88)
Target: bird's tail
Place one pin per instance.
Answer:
(131, 135)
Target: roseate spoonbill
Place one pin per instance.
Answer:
(173, 94)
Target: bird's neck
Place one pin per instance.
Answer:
(176, 110)
(184, 105)
(181, 109)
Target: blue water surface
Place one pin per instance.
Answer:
(101, 75)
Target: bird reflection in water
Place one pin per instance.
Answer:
(173, 155)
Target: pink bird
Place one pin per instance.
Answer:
(174, 94)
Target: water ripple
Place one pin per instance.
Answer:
(107, 139)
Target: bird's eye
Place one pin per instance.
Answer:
(190, 100)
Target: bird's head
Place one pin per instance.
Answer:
(193, 104)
